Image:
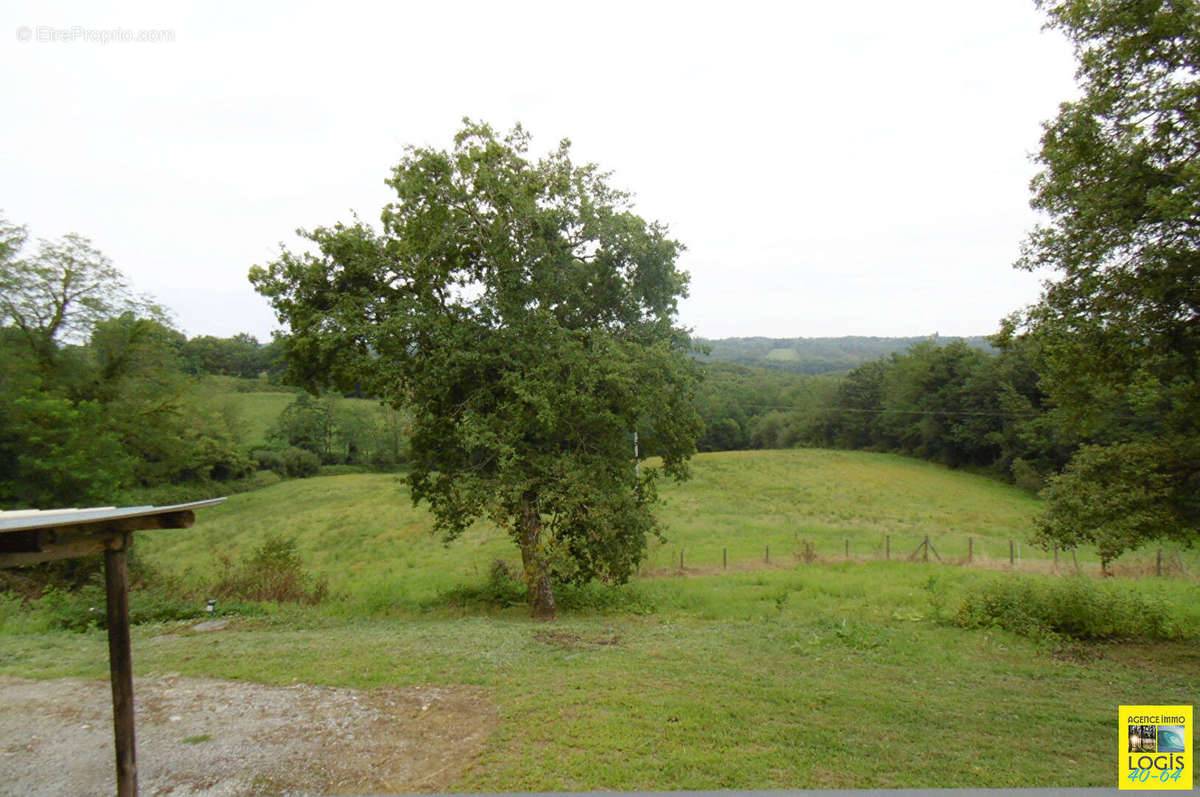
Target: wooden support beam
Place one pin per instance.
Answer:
(50, 550)
(85, 539)
(120, 662)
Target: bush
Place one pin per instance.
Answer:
(274, 572)
(1026, 476)
(300, 463)
(1075, 607)
(269, 459)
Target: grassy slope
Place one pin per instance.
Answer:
(364, 534)
(823, 675)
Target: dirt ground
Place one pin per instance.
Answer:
(199, 736)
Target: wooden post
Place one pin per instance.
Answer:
(925, 551)
(725, 558)
(1012, 556)
(1159, 567)
(116, 583)
(1075, 559)
(970, 550)
(1056, 557)
(847, 548)
(768, 554)
(887, 547)
(680, 558)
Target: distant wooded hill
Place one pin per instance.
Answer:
(817, 355)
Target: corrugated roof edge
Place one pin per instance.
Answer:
(26, 519)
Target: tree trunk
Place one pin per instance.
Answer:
(537, 576)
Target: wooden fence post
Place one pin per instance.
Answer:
(848, 550)
(680, 558)
(725, 558)
(768, 554)
(1056, 557)
(1012, 557)
(887, 547)
(1159, 566)
(116, 583)
(970, 550)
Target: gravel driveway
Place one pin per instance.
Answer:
(198, 736)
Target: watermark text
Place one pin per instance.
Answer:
(78, 34)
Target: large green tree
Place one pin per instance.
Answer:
(527, 317)
(1117, 331)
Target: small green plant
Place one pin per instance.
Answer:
(936, 592)
(198, 739)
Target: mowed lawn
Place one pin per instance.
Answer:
(798, 675)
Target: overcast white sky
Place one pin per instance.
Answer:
(834, 168)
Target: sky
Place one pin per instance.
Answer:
(833, 169)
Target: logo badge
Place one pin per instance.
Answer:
(1156, 745)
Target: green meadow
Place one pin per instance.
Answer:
(804, 672)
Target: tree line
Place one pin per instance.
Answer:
(102, 401)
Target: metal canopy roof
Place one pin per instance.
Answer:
(27, 519)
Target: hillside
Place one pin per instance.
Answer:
(817, 355)
(363, 533)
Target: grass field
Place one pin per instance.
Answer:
(362, 532)
(798, 675)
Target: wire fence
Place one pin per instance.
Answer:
(981, 552)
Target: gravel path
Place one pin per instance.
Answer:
(199, 736)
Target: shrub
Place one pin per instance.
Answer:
(1026, 476)
(300, 463)
(1074, 607)
(269, 459)
(274, 572)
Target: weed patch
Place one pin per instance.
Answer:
(1075, 608)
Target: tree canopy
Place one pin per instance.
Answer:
(527, 317)
(92, 401)
(1116, 333)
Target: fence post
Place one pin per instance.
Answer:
(887, 547)
(680, 558)
(1159, 567)
(970, 550)
(725, 558)
(1056, 557)
(848, 550)
(768, 554)
(1012, 555)
(925, 549)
